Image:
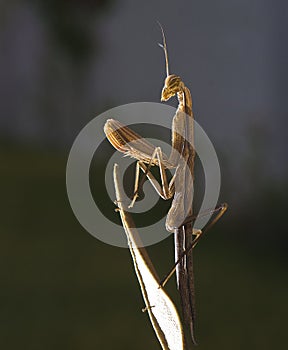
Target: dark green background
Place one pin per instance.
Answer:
(63, 289)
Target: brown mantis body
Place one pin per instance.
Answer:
(181, 158)
(180, 186)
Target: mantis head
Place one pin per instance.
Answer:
(172, 85)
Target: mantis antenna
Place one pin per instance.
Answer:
(164, 47)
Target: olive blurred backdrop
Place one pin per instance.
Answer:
(61, 64)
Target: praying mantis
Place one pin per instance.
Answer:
(182, 157)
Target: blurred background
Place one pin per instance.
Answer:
(61, 64)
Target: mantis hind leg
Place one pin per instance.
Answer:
(220, 210)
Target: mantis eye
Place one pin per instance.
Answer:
(172, 82)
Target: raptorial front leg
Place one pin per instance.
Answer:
(136, 185)
(164, 190)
